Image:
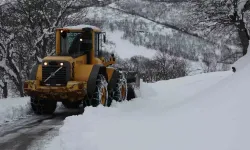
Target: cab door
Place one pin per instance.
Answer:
(99, 41)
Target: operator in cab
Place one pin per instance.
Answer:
(76, 44)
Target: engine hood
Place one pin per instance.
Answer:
(59, 58)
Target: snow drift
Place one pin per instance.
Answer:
(168, 115)
(13, 108)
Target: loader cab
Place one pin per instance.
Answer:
(85, 42)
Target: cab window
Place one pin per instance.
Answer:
(76, 44)
(98, 44)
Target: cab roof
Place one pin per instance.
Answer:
(81, 28)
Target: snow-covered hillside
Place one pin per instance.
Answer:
(125, 49)
(168, 115)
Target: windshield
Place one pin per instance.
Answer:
(75, 44)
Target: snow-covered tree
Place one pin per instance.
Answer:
(236, 15)
(3, 84)
(8, 53)
(223, 19)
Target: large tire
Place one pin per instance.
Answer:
(43, 106)
(100, 95)
(121, 89)
(71, 105)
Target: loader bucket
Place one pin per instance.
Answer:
(133, 78)
(133, 82)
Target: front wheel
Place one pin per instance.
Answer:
(43, 106)
(100, 95)
(121, 89)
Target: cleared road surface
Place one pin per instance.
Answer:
(33, 132)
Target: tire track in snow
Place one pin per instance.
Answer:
(32, 131)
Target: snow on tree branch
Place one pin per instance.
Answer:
(237, 7)
(4, 66)
(241, 5)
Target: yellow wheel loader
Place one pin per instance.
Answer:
(77, 74)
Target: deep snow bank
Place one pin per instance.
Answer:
(153, 121)
(215, 119)
(13, 108)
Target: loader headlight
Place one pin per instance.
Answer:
(45, 64)
(61, 64)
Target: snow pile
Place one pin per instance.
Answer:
(161, 119)
(13, 108)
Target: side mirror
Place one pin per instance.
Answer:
(112, 57)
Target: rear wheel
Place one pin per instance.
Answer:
(100, 95)
(43, 106)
